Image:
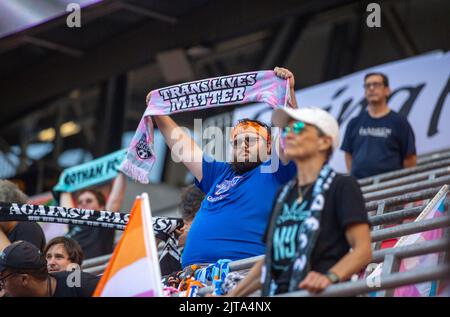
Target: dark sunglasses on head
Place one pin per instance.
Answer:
(297, 128)
(264, 125)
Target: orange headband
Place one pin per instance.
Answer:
(250, 126)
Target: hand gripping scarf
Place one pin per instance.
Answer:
(261, 86)
(308, 232)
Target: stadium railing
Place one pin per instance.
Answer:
(386, 196)
(404, 172)
(406, 180)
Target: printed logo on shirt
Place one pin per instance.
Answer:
(224, 187)
(381, 132)
(287, 237)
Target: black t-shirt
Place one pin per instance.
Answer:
(344, 205)
(86, 287)
(378, 145)
(93, 241)
(30, 232)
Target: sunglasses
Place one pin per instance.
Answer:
(297, 128)
(248, 141)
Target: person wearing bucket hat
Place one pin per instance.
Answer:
(316, 218)
(23, 273)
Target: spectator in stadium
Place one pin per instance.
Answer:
(95, 241)
(63, 254)
(191, 200)
(11, 231)
(316, 218)
(237, 193)
(23, 273)
(378, 140)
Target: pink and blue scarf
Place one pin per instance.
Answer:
(261, 86)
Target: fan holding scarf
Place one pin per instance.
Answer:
(231, 220)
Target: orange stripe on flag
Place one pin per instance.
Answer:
(130, 248)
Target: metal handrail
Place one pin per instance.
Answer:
(97, 265)
(96, 270)
(430, 157)
(406, 188)
(96, 261)
(403, 199)
(92, 265)
(378, 256)
(390, 217)
(403, 172)
(428, 175)
(387, 282)
(407, 251)
(410, 228)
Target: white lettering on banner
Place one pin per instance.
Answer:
(420, 91)
(67, 213)
(215, 91)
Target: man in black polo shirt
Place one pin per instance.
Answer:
(379, 140)
(23, 273)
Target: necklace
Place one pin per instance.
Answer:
(302, 193)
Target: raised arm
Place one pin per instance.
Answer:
(183, 147)
(117, 195)
(286, 74)
(66, 200)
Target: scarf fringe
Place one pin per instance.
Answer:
(139, 174)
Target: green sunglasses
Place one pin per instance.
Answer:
(297, 128)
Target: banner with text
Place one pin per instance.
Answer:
(420, 90)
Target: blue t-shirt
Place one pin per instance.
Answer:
(378, 145)
(231, 221)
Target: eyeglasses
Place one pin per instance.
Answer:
(297, 128)
(374, 85)
(87, 201)
(248, 141)
(3, 280)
